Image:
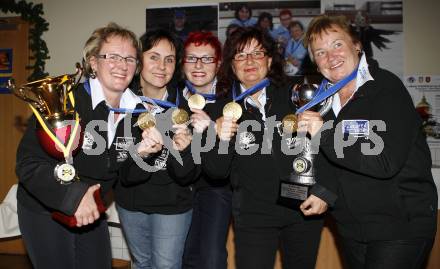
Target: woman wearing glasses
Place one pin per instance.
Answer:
(155, 208)
(110, 59)
(252, 73)
(206, 243)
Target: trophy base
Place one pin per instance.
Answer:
(70, 221)
(292, 194)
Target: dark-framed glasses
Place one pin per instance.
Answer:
(203, 59)
(255, 55)
(116, 58)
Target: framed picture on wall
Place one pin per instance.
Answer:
(5, 69)
(183, 20)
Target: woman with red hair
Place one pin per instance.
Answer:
(206, 243)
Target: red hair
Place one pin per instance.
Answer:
(285, 12)
(204, 38)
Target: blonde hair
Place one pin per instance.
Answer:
(99, 36)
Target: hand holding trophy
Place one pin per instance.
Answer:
(296, 188)
(59, 132)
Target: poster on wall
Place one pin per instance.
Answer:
(5, 68)
(285, 21)
(183, 20)
(379, 25)
(425, 92)
(271, 14)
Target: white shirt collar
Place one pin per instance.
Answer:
(363, 75)
(261, 100)
(129, 100)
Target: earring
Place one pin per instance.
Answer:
(92, 74)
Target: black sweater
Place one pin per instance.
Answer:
(38, 189)
(255, 176)
(166, 191)
(390, 195)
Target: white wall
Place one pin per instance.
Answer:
(71, 23)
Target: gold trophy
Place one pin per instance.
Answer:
(59, 132)
(58, 129)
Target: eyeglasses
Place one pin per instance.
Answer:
(255, 55)
(116, 58)
(203, 59)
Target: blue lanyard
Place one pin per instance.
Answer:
(208, 96)
(161, 103)
(323, 94)
(257, 87)
(295, 47)
(116, 110)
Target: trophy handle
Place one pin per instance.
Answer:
(20, 93)
(78, 75)
(326, 107)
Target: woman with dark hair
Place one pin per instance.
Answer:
(251, 72)
(265, 23)
(155, 208)
(386, 210)
(206, 243)
(243, 16)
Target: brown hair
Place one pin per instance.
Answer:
(324, 23)
(234, 44)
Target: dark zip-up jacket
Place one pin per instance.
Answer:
(38, 189)
(166, 191)
(390, 195)
(255, 176)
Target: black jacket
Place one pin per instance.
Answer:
(255, 176)
(214, 111)
(166, 191)
(383, 196)
(38, 189)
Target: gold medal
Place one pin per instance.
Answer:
(290, 123)
(179, 116)
(233, 110)
(196, 101)
(146, 120)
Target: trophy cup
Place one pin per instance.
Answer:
(58, 129)
(295, 188)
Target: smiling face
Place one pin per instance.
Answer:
(159, 64)
(244, 14)
(296, 32)
(114, 76)
(335, 53)
(201, 75)
(251, 71)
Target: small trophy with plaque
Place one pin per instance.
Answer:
(296, 187)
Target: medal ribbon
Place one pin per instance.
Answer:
(322, 94)
(257, 87)
(208, 96)
(67, 150)
(161, 103)
(117, 110)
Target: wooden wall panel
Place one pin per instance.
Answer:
(13, 34)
